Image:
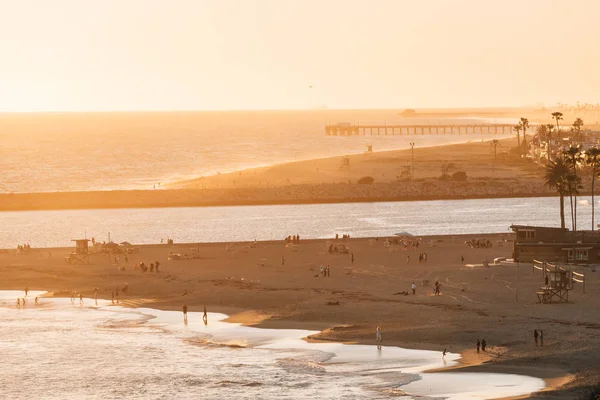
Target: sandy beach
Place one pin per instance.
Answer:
(325, 181)
(249, 282)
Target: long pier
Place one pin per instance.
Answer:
(353, 130)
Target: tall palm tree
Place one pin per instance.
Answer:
(549, 128)
(557, 116)
(573, 157)
(524, 122)
(517, 128)
(555, 177)
(577, 126)
(573, 185)
(592, 160)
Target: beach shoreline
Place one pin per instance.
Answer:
(324, 181)
(249, 282)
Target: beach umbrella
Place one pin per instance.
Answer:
(111, 244)
(403, 234)
(125, 244)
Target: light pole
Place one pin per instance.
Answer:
(495, 144)
(412, 153)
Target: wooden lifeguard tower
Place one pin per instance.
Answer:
(81, 254)
(345, 162)
(557, 289)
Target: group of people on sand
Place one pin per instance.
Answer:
(344, 236)
(324, 271)
(292, 239)
(422, 258)
(22, 301)
(154, 267)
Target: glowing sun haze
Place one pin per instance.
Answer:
(77, 55)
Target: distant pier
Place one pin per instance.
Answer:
(356, 130)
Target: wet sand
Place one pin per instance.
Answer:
(249, 282)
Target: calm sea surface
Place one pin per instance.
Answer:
(105, 151)
(59, 350)
(247, 223)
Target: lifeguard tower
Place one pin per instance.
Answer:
(81, 254)
(345, 162)
(557, 289)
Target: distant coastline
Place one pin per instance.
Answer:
(322, 181)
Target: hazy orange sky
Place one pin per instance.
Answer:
(245, 54)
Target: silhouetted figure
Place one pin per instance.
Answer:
(483, 344)
(205, 316)
(185, 312)
(478, 345)
(535, 336)
(542, 337)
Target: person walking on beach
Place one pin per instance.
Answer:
(414, 288)
(483, 344)
(408, 259)
(282, 260)
(444, 353)
(80, 299)
(321, 270)
(113, 297)
(37, 302)
(205, 317)
(462, 259)
(535, 336)
(185, 313)
(378, 338)
(352, 258)
(18, 302)
(26, 291)
(542, 338)
(478, 344)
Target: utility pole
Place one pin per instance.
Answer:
(495, 144)
(412, 152)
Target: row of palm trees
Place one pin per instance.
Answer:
(544, 131)
(562, 175)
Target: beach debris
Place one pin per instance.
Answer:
(333, 303)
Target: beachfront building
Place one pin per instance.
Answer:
(560, 142)
(555, 245)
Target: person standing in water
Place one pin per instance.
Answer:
(18, 302)
(535, 336)
(80, 299)
(205, 317)
(542, 338)
(36, 301)
(378, 338)
(483, 344)
(26, 291)
(185, 312)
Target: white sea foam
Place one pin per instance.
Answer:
(67, 351)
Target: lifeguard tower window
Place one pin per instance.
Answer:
(580, 255)
(526, 234)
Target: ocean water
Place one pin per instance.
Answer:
(247, 223)
(59, 350)
(107, 151)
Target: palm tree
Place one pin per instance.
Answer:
(573, 186)
(549, 128)
(517, 128)
(592, 159)
(557, 116)
(524, 122)
(556, 178)
(573, 157)
(577, 127)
